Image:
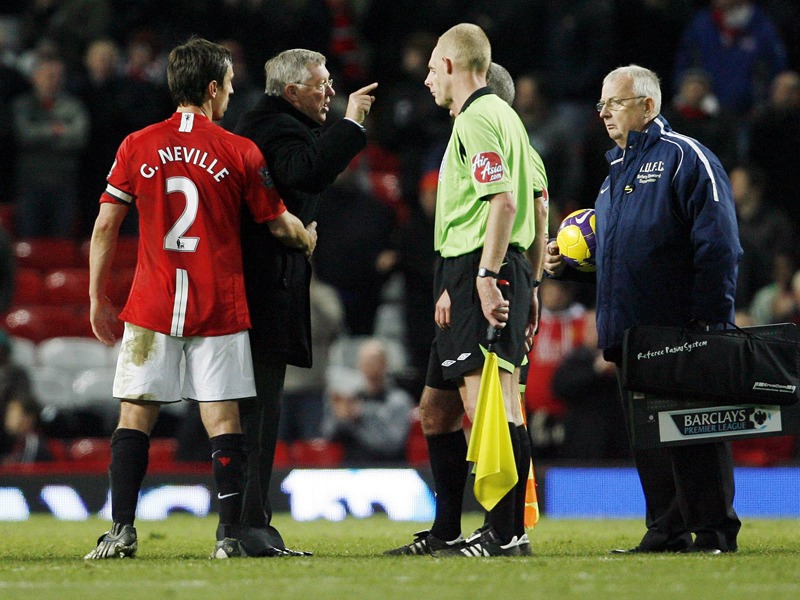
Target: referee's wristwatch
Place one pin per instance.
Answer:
(484, 272)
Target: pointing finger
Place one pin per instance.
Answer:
(366, 89)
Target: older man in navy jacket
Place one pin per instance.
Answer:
(667, 253)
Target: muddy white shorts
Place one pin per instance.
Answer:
(216, 367)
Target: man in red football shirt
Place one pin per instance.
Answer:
(189, 178)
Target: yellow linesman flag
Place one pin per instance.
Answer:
(531, 496)
(490, 441)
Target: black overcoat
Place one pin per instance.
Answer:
(303, 160)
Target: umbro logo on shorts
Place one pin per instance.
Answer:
(463, 356)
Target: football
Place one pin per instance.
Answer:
(576, 239)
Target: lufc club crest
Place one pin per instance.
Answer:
(487, 167)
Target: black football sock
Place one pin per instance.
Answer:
(448, 456)
(501, 517)
(130, 450)
(228, 463)
(523, 467)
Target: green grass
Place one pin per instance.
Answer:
(42, 558)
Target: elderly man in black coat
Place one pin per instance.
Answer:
(303, 161)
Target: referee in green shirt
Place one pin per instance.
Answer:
(485, 223)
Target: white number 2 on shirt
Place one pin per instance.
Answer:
(174, 240)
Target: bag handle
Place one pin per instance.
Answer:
(695, 324)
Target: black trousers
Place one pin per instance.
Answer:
(687, 489)
(260, 417)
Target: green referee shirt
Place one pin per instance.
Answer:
(489, 152)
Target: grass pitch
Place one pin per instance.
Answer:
(43, 558)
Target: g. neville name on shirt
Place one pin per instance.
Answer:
(188, 155)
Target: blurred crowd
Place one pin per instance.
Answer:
(78, 75)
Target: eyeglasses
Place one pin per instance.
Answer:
(328, 83)
(614, 103)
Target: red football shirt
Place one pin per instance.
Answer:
(189, 178)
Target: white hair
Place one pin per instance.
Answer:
(290, 66)
(645, 82)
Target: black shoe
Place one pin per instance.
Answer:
(484, 542)
(643, 550)
(259, 542)
(424, 543)
(119, 542)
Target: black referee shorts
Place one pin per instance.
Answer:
(461, 347)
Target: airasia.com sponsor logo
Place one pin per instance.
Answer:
(487, 167)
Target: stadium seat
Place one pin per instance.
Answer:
(28, 287)
(283, 459)
(162, 451)
(317, 453)
(73, 353)
(38, 323)
(93, 390)
(57, 450)
(90, 450)
(47, 254)
(68, 286)
(94, 385)
(52, 387)
(23, 352)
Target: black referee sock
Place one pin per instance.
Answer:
(228, 462)
(523, 466)
(501, 517)
(130, 450)
(448, 456)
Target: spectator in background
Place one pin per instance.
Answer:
(14, 383)
(143, 58)
(71, 24)
(771, 302)
(774, 143)
(554, 139)
(561, 329)
(369, 417)
(586, 383)
(25, 442)
(763, 228)
(696, 112)
(106, 95)
(303, 402)
(52, 128)
(775, 302)
(8, 271)
(12, 84)
(738, 45)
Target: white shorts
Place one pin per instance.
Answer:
(149, 367)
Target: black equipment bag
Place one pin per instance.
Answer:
(755, 365)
